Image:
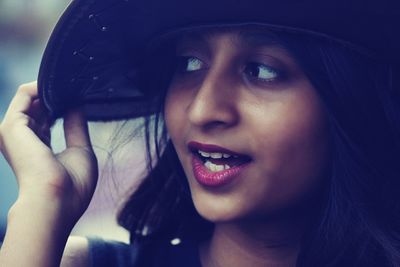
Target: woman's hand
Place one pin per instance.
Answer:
(68, 177)
(54, 189)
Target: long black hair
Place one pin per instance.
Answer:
(358, 222)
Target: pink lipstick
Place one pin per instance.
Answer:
(215, 166)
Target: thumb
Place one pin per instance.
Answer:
(76, 129)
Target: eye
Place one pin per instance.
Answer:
(261, 72)
(189, 64)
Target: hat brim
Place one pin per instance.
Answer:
(95, 46)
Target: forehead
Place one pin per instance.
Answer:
(240, 35)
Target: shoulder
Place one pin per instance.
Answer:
(76, 252)
(168, 253)
(88, 252)
(94, 251)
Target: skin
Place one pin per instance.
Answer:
(54, 190)
(271, 113)
(279, 123)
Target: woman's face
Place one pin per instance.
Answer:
(247, 125)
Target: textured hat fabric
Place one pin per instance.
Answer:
(95, 44)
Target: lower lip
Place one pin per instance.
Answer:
(214, 179)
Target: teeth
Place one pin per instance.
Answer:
(214, 167)
(208, 165)
(204, 154)
(215, 155)
(219, 168)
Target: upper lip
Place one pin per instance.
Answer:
(211, 148)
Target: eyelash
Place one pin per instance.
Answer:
(261, 68)
(183, 67)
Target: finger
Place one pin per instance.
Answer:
(76, 130)
(40, 113)
(37, 109)
(42, 130)
(23, 99)
(45, 131)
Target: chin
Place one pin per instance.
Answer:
(216, 216)
(216, 211)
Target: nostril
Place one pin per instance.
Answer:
(212, 114)
(214, 124)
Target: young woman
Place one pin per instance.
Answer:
(276, 137)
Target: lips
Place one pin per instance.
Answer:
(214, 165)
(217, 154)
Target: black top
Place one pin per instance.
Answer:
(108, 253)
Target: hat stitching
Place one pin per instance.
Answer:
(95, 18)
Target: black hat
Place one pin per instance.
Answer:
(93, 48)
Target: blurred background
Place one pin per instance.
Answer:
(25, 26)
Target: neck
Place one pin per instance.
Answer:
(253, 243)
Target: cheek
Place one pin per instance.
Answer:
(299, 137)
(294, 150)
(175, 114)
(174, 109)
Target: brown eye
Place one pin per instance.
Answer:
(261, 72)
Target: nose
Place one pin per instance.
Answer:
(214, 105)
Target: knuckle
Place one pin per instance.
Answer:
(23, 87)
(26, 87)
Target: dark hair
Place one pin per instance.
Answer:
(358, 221)
(359, 224)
